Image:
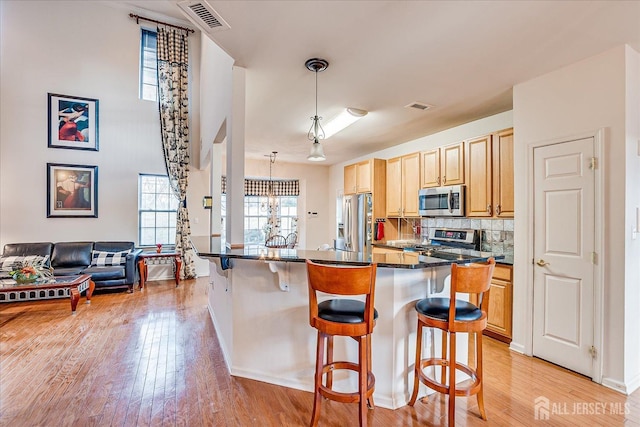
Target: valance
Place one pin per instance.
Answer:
(264, 187)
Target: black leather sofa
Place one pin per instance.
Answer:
(73, 258)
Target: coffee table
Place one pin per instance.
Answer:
(63, 286)
(153, 258)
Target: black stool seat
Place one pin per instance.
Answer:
(343, 311)
(438, 308)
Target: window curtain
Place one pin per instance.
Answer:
(264, 187)
(173, 100)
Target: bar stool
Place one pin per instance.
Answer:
(342, 317)
(452, 315)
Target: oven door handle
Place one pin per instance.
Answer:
(450, 200)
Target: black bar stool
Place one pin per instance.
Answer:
(452, 315)
(342, 317)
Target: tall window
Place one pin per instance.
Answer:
(157, 207)
(149, 66)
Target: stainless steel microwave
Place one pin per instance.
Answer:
(441, 201)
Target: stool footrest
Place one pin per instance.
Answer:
(346, 397)
(468, 390)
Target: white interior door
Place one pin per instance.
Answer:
(564, 230)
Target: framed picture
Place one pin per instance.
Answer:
(72, 191)
(73, 122)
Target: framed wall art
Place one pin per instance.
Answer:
(73, 122)
(72, 191)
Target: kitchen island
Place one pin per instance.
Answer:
(258, 303)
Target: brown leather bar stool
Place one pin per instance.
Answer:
(342, 317)
(452, 315)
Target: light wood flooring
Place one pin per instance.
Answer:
(152, 359)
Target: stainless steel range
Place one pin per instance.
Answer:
(449, 243)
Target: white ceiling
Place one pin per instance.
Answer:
(463, 57)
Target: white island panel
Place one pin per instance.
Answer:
(262, 321)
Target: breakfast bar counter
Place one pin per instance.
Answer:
(258, 302)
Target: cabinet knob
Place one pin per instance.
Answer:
(489, 209)
(498, 210)
(438, 180)
(444, 179)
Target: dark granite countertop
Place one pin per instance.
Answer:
(505, 259)
(205, 248)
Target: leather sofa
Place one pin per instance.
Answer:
(73, 258)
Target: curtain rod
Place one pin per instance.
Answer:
(138, 18)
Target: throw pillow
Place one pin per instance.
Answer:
(101, 259)
(8, 263)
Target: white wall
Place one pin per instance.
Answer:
(581, 98)
(80, 49)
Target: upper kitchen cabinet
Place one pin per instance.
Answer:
(442, 166)
(361, 177)
(489, 175)
(503, 173)
(403, 179)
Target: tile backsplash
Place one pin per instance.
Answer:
(496, 235)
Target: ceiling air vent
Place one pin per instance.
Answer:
(419, 106)
(202, 14)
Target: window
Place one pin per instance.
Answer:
(157, 207)
(256, 217)
(149, 66)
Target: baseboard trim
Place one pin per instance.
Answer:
(615, 385)
(517, 347)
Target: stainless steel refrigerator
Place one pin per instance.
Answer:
(355, 230)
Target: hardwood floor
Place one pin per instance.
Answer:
(152, 359)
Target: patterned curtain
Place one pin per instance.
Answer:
(173, 100)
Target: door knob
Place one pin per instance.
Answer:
(542, 263)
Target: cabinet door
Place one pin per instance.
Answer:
(503, 174)
(499, 317)
(363, 177)
(350, 179)
(430, 168)
(394, 187)
(410, 169)
(452, 169)
(478, 171)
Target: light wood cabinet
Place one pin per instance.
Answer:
(503, 173)
(359, 177)
(350, 179)
(410, 184)
(452, 164)
(442, 166)
(489, 175)
(394, 185)
(500, 312)
(403, 183)
(368, 176)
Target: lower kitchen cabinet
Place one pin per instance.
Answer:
(500, 313)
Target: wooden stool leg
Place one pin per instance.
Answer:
(315, 415)
(370, 403)
(452, 379)
(416, 369)
(483, 414)
(329, 360)
(363, 365)
(443, 372)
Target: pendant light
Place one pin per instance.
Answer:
(316, 133)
